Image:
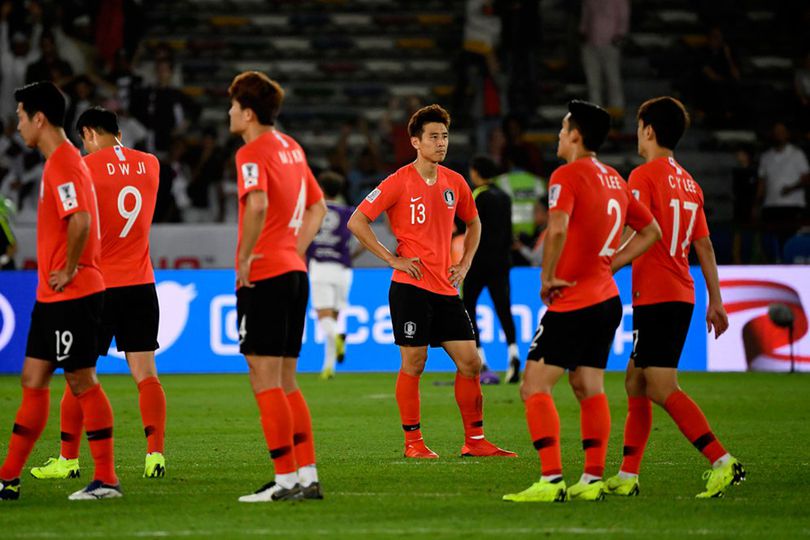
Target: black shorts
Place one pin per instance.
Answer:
(66, 333)
(131, 314)
(271, 315)
(421, 317)
(583, 337)
(659, 332)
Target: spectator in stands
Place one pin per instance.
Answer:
(8, 242)
(209, 165)
(81, 92)
(367, 170)
(133, 133)
(394, 128)
(718, 87)
(173, 183)
(603, 25)
(744, 191)
(123, 78)
(514, 141)
(48, 63)
(521, 30)
(16, 54)
(784, 176)
(801, 83)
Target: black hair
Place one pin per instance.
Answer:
(592, 122)
(485, 166)
(44, 97)
(331, 183)
(668, 118)
(99, 119)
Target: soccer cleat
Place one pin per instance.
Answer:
(419, 450)
(312, 491)
(97, 490)
(327, 373)
(271, 492)
(595, 491)
(489, 377)
(10, 490)
(542, 491)
(717, 480)
(616, 485)
(340, 347)
(483, 448)
(155, 466)
(57, 468)
(513, 371)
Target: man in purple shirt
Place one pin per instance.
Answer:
(330, 269)
(603, 25)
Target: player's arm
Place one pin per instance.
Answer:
(360, 226)
(640, 242)
(78, 230)
(715, 312)
(252, 224)
(473, 237)
(556, 233)
(313, 217)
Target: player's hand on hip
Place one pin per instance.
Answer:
(59, 279)
(552, 289)
(716, 317)
(243, 270)
(457, 274)
(409, 265)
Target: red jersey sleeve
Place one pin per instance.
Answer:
(69, 196)
(561, 193)
(640, 188)
(314, 193)
(638, 215)
(465, 209)
(251, 176)
(381, 198)
(701, 226)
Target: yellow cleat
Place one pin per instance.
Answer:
(327, 373)
(155, 466)
(616, 485)
(595, 491)
(57, 468)
(717, 480)
(542, 491)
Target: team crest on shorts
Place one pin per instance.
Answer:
(410, 329)
(449, 197)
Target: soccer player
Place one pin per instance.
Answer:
(126, 183)
(65, 320)
(588, 203)
(280, 211)
(421, 200)
(663, 301)
(330, 268)
(492, 262)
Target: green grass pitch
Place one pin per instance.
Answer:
(215, 452)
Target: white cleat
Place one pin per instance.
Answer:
(97, 490)
(273, 492)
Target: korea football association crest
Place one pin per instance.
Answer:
(410, 329)
(449, 198)
(67, 196)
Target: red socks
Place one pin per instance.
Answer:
(636, 432)
(277, 424)
(407, 393)
(152, 401)
(71, 421)
(28, 425)
(471, 404)
(595, 425)
(544, 428)
(693, 425)
(98, 424)
(302, 429)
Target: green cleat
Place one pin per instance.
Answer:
(616, 485)
(595, 491)
(58, 468)
(717, 480)
(340, 347)
(327, 373)
(155, 466)
(10, 490)
(541, 491)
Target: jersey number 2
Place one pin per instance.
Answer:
(613, 207)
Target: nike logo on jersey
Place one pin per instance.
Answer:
(414, 199)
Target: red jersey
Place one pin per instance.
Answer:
(66, 188)
(662, 273)
(598, 202)
(276, 164)
(421, 218)
(126, 183)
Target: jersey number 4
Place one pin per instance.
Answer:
(300, 207)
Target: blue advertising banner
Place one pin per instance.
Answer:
(198, 326)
